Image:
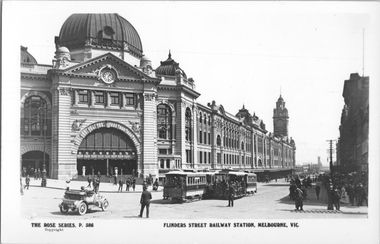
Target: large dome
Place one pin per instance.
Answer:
(110, 31)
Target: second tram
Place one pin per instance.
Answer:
(186, 186)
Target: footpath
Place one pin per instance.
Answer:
(314, 205)
(76, 185)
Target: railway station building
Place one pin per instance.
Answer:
(101, 107)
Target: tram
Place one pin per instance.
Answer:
(185, 186)
(188, 186)
(251, 180)
(244, 183)
(225, 178)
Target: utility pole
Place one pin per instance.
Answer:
(331, 181)
(331, 158)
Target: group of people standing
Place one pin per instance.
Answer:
(129, 182)
(348, 190)
(342, 190)
(94, 182)
(35, 172)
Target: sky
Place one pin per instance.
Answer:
(240, 53)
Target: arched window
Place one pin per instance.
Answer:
(188, 125)
(164, 122)
(205, 119)
(242, 145)
(35, 116)
(200, 118)
(218, 141)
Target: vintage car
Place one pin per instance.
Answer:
(80, 200)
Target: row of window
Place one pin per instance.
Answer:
(204, 137)
(100, 97)
(35, 121)
(203, 119)
(204, 157)
(166, 164)
(164, 122)
(234, 159)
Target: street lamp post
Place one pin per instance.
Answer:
(44, 129)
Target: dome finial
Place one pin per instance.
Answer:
(170, 55)
(243, 106)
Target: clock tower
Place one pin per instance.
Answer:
(280, 118)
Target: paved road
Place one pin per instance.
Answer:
(271, 202)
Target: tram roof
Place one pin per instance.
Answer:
(186, 173)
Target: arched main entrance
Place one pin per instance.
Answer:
(33, 160)
(105, 149)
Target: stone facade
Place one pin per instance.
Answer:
(106, 114)
(352, 146)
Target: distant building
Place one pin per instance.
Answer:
(319, 161)
(102, 106)
(352, 147)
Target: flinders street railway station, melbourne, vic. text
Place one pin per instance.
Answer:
(101, 105)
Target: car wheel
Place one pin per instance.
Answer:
(82, 208)
(105, 205)
(63, 208)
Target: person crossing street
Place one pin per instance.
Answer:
(145, 201)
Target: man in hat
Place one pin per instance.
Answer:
(145, 201)
(231, 193)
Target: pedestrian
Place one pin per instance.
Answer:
(67, 185)
(356, 193)
(96, 185)
(224, 187)
(231, 193)
(317, 190)
(35, 173)
(27, 181)
(133, 183)
(145, 201)
(128, 184)
(89, 180)
(350, 193)
(365, 196)
(99, 176)
(121, 182)
(23, 171)
(336, 197)
(304, 192)
(362, 195)
(38, 174)
(155, 185)
(21, 187)
(299, 199)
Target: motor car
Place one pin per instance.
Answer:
(81, 200)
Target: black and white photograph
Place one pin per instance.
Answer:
(190, 122)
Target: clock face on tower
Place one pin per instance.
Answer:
(108, 76)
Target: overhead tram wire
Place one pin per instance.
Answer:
(255, 55)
